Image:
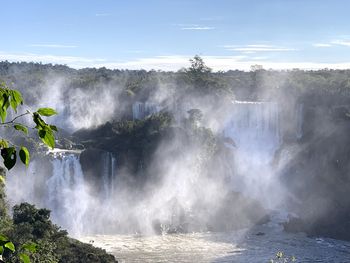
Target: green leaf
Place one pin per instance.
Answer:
(9, 156)
(6, 100)
(14, 105)
(46, 111)
(16, 99)
(47, 137)
(53, 127)
(10, 246)
(20, 127)
(24, 155)
(2, 180)
(1, 250)
(3, 238)
(3, 114)
(24, 258)
(17, 96)
(40, 123)
(4, 143)
(31, 247)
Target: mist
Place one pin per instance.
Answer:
(226, 169)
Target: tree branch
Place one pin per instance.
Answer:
(15, 118)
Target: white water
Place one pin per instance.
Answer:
(141, 110)
(256, 245)
(254, 129)
(300, 120)
(67, 195)
(108, 175)
(62, 188)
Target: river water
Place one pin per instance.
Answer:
(256, 245)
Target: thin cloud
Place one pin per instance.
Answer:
(257, 48)
(322, 45)
(73, 61)
(198, 28)
(341, 42)
(173, 62)
(260, 58)
(215, 18)
(53, 46)
(194, 27)
(134, 51)
(102, 14)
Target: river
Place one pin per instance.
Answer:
(256, 245)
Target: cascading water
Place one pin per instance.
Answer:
(67, 194)
(62, 188)
(300, 120)
(253, 127)
(141, 110)
(108, 175)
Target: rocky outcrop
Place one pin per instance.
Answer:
(318, 177)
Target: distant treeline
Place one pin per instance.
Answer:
(314, 87)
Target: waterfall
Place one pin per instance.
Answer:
(67, 194)
(253, 127)
(108, 175)
(140, 110)
(58, 184)
(300, 120)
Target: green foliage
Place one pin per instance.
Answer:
(24, 155)
(6, 247)
(200, 80)
(46, 112)
(198, 66)
(5, 243)
(20, 127)
(32, 236)
(10, 97)
(9, 155)
(24, 258)
(39, 240)
(38, 219)
(45, 131)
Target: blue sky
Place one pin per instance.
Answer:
(164, 34)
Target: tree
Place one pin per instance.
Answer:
(12, 99)
(201, 79)
(198, 66)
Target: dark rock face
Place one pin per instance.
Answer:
(319, 177)
(132, 144)
(92, 163)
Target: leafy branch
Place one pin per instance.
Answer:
(7, 248)
(13, 98)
